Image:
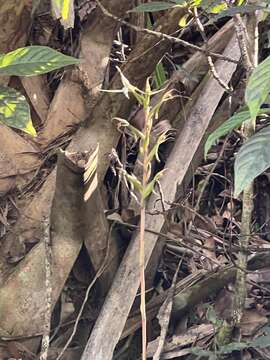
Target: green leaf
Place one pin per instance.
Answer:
(261, 342)
(211, 6)
(266, 329)
(129, 88)
(64, 10)
(159, 75)
(33, 60)
(132, 130)
(14, 110)
(216, 9)
(234, 122)
(234, 346)
(153, 6)
(252, 159)
(258, 87)
(211, 315)
(150, 186)
(244, 9)
(183, 21)
(162, 138)
(134, 182)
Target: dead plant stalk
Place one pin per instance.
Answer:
(250, 59)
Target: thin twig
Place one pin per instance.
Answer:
(209, 58)
(240, 33)
(48, 289)
(163, 36)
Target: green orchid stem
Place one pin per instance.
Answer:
(143, 185)
(142, 278)
(145, 178)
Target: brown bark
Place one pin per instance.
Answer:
(69, 107)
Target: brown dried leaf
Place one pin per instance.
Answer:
(251, 321)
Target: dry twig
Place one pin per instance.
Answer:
(163, 36)
(48, 288)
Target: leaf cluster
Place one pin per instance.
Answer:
(26, 61)
(149, 153)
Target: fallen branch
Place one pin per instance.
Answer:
(26, 286)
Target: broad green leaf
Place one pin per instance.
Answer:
(14, 110)
(159, 75)
(261, 342)
(220, 12)
(64, 10)
(153, 6)
(266, 329)
(243, 9)
(33, 60)
(252, 159)
(258, 87)
(234, 122)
